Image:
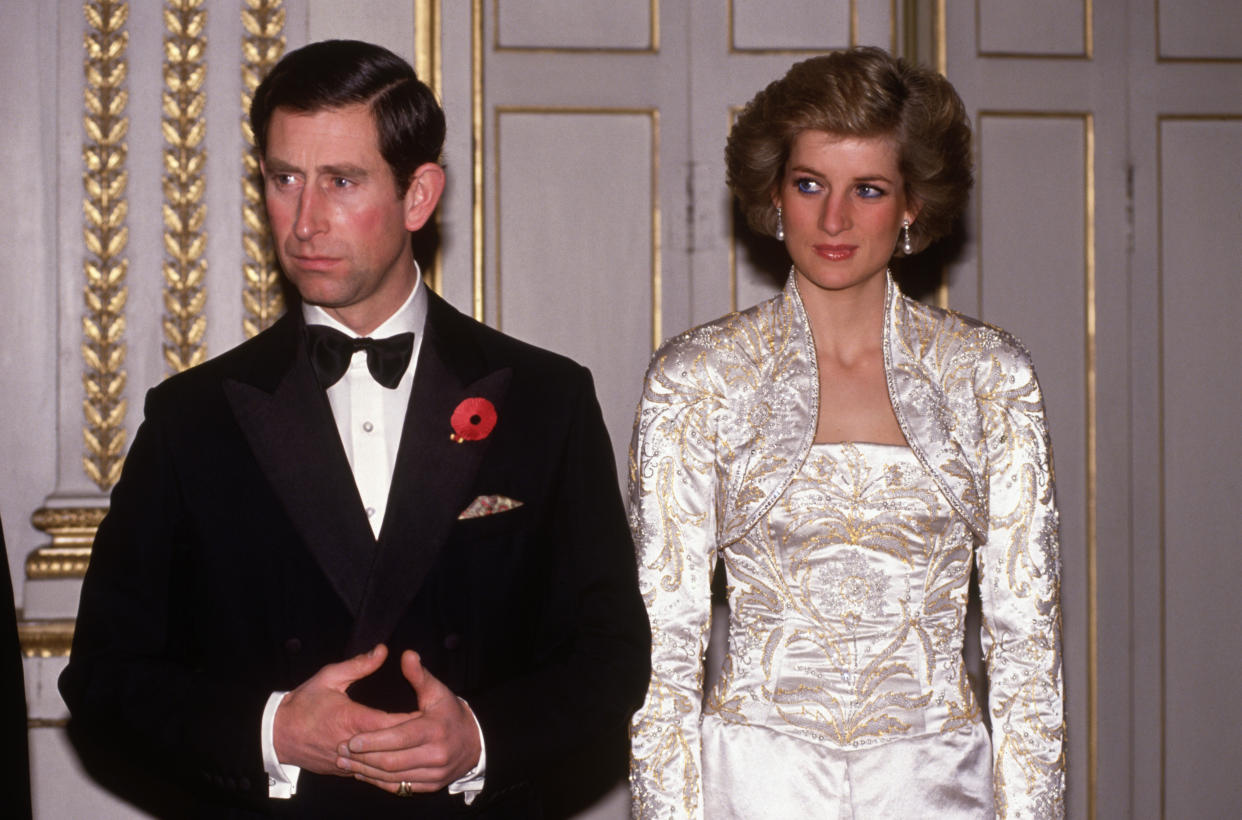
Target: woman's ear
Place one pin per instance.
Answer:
(913, 206)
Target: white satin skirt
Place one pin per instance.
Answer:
(752, 773)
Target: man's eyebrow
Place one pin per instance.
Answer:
(346, 170)
(279, 166)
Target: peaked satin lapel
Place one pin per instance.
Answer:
(434, 475)
(287, 420)
(921, 361)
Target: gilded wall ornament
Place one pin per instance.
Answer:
(105, 235)
(184, 127)
(262, 46)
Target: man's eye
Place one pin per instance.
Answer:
(341, 182)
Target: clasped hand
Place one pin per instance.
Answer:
(320, 729)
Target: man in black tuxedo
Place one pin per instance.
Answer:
(350, 578)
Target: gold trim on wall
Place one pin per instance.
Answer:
(1162, 594)
(105, 236)
(477, 244)
(940, 43)
(46, 638)
(184, 127)
(1091, 409)
(262, 46)
(1088, 40)
(429, 67)
(653, 38)
(1093, 619)
(73, 531)
(657, 245)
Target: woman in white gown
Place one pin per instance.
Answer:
(848, 452)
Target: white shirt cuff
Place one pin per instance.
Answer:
(471, 783)
(282, 779)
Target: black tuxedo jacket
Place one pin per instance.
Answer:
(236, 560)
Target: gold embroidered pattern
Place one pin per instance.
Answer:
(858, 663)
(105, 234)
(185, 241)
(262, 46)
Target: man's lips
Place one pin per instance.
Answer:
(836, 253)
(314, 262)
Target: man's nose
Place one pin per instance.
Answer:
(309, 219)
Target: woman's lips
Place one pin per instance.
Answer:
(836, 253)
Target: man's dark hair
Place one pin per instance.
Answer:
(339, 73)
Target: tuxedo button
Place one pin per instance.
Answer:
(293, 646)
(370, 511)
(367, 426)
(452, 640)
(244, 784)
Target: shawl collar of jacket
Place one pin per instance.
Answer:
(764, 360)
(288, 423)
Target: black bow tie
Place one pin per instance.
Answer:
(331, 350)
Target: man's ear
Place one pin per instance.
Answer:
(423, 195)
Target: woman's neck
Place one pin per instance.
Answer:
(846, 323)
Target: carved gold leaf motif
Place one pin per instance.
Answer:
(185, 266)
(105, 237)
(262, 45)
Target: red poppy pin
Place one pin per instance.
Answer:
(473, 420)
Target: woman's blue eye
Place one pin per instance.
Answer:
(869, 191)
(807, 185)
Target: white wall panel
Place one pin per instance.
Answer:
(1199, 29)
(1047, 28)
(389, 23)
(1034, 261)
(580, 182)
(577, 24)
(1200, 174)
(809, 25)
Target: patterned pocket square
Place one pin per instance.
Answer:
(488, 505)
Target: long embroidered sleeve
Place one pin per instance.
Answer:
(1020, 573)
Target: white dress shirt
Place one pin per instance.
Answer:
(369, 418)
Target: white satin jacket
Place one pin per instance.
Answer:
(727, 417)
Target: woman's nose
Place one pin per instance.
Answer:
(836, 217)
